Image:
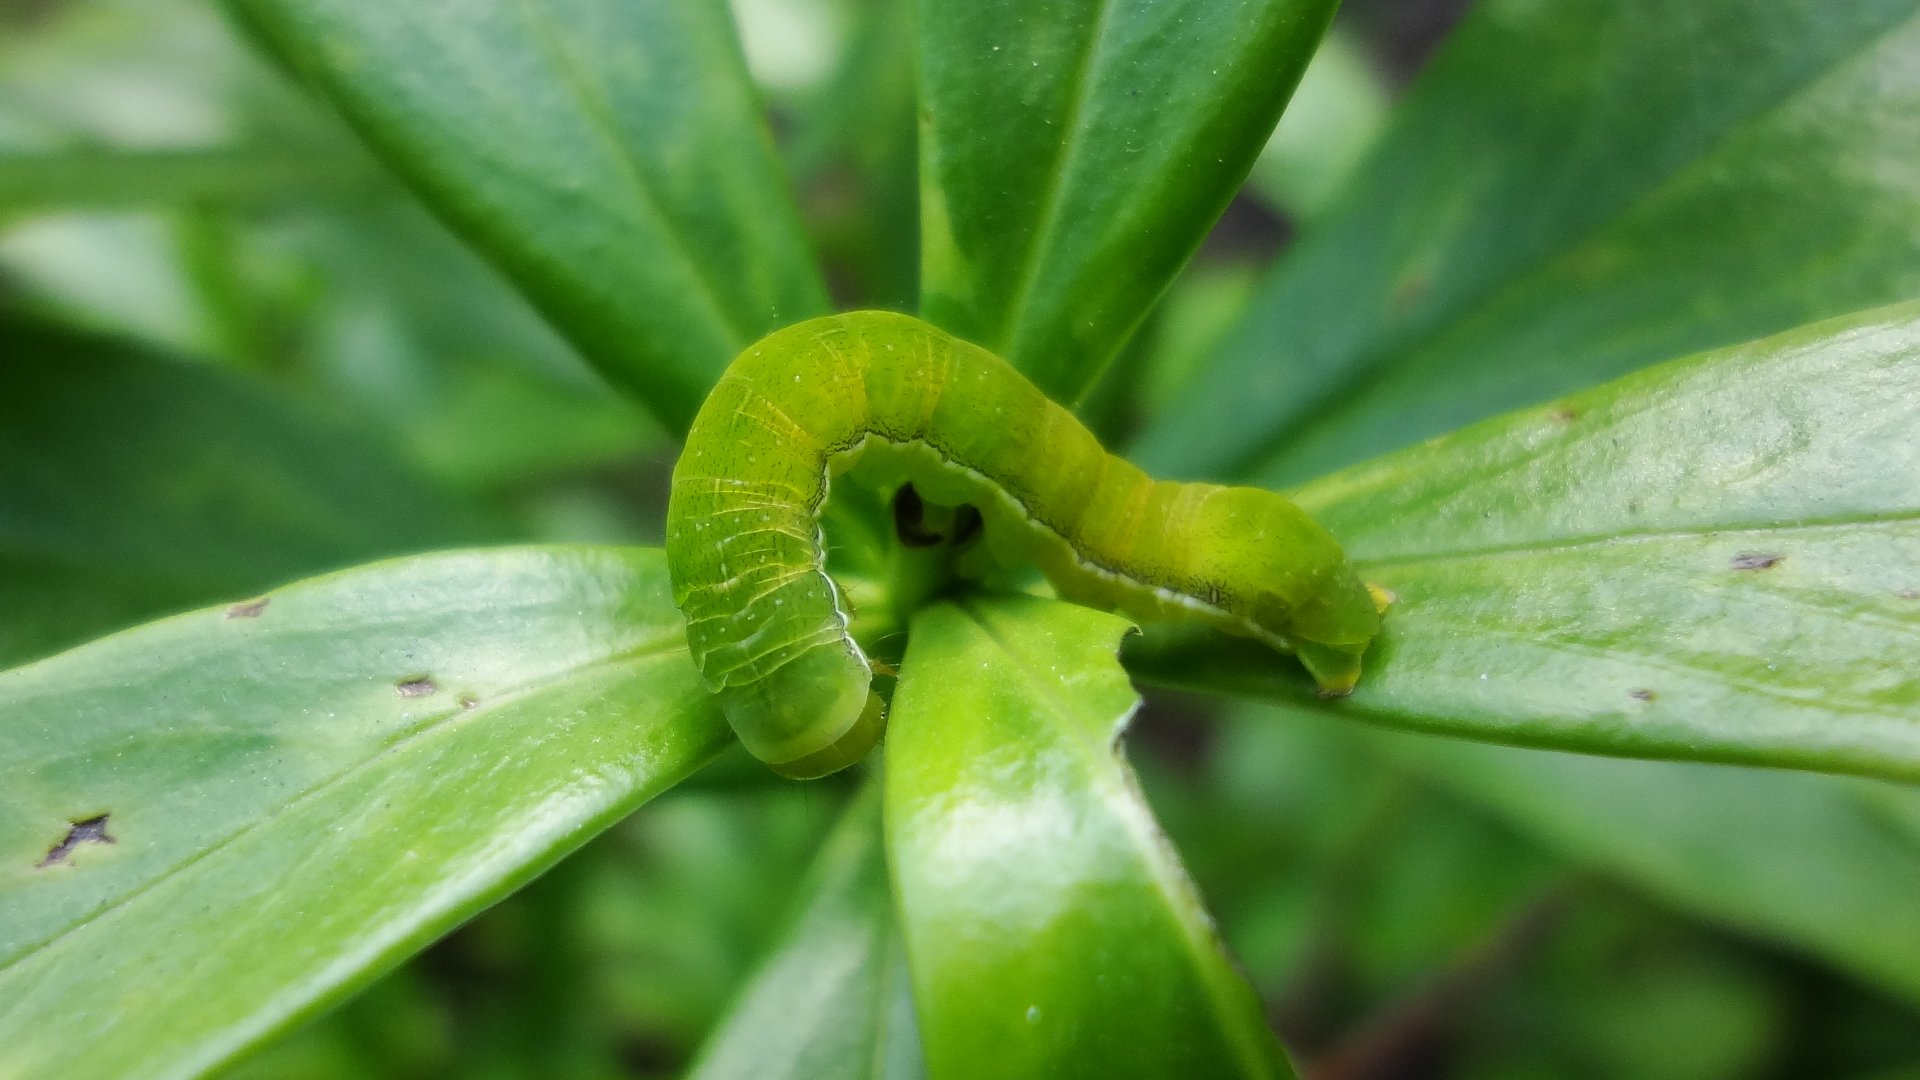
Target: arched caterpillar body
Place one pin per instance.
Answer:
(765, 622)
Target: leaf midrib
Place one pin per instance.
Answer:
(1056, 181)
(1643, 536)
(1176, 891)
(604, 130)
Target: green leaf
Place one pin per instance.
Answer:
(1074, 154)
(680, 911)
(422, 335)
(1050, 928)
(852, 143)
(214, 825)
(134, 485)
(1715, 559)
(1807, 860)
(609, 156)
(832, 999)
(245, 175)
(1575, 190)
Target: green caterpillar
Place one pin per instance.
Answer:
(903, 400)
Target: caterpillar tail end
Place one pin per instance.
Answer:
(850, 747)
(1335, 671)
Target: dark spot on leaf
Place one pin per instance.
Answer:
(417, 686)
(467, 701)
(1642, 694)
(251, 609)
(1908, 594)
(91, 830)
(1564, 414)
(1755, 560)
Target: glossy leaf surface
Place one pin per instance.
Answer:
(1714, 559)
(539, 131)
(1075, 152)
(134, 484)
(213, 825)
(831, 1002)
(1050, 929)
(1572, 191)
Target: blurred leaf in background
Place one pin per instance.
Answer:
(1570, 192)
(136, 484)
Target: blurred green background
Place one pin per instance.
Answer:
(233, 352)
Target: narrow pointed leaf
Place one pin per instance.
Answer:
(1050, 929)
(1715, 559)
(214, 825)
(1074, 153)
(610, 157)
(1572, 191)
(832, 1000)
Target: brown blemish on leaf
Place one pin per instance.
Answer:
(1756, 560)
(1563, 414)
(1908, 594)
(91, 830)
(417, 686)
(250, 609)
(467, 701)
(1642, 694)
